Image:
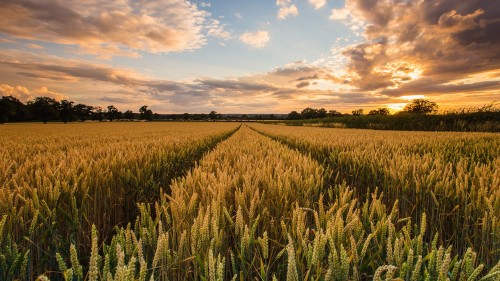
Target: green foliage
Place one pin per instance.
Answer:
(379, 111)
(8, 108)
(463, 122)
(357, 112)
(44, 108)
(420, 106)
(145, 113)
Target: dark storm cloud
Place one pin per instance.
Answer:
(426, 88)
(303, 84)
(442, 40)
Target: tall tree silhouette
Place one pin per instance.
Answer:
(44, 108)
(7, 109)
(83, 111)
(66, 111)
(421, 106)
(145, 113)
(112, 113)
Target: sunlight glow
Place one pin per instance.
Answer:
(412, 97)
(493, 75)
(400, 72)
(396, 106)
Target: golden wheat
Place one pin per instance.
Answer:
(56, 181)
(454, 178)
(331, 209)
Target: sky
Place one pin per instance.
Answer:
(242, 56)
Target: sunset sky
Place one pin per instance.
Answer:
(242, 56)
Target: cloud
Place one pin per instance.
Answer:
(45, 92)
(414, 47)
(424, 87)
(286, 9)
(303, 84)
(216, 29)
(6, 41)
(293, 86)
(238, 84)
(317, 3)
(106, 52)
(153, 26)
(19, 92)
(279, 89)
(24, 95)
(257, 39)
(99, 81)
(35, 46)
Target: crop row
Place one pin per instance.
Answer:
(454, 178)
(57, 181)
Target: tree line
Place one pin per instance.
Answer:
(417, 106)
(414, 117)
(47, 109)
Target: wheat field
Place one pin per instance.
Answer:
(230, 201)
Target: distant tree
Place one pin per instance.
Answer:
(97, 114)
(22, 110)
(83, 112)
(66, 111)
(379, 111)
(294, 115)
(357, 112)
(333, 113)
(8, 108)
(309, 113)
(112, 113)
(44, 108)
(244, 117)
(420, 106)
(213, 115)
(129, 115)
(185, 116)
(490, 107)
(145, 113)
(321, 113)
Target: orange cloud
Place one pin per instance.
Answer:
(24, 95)
(279, 90)
(35, 46)
(422, 47)
(153, 26)
(19, 92)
